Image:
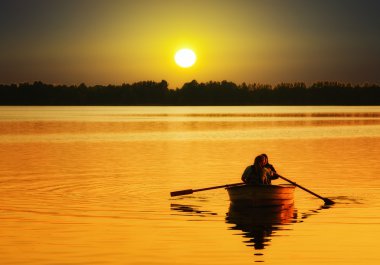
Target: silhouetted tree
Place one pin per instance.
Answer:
(191, 93)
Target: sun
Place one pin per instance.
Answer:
(185, 58)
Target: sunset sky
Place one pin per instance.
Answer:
(114, 42)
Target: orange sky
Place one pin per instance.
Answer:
(111, 42)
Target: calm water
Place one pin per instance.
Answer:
(90, 185)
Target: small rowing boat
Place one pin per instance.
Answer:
(258, 195)
(261, 195)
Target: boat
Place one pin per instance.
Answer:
(261, 195)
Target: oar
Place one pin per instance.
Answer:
(326, 200)
(190, 191)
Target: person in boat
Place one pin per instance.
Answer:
(258, 174)
(266, 163)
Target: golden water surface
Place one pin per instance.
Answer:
(90, 185)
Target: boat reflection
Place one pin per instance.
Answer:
(259, 224)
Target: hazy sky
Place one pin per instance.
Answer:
(111, 42)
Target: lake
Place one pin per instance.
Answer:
(90, 185)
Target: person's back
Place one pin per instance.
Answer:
(249, 175)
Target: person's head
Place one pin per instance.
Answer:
(265, 158)
(260, 161)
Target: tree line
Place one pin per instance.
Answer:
(191, 93)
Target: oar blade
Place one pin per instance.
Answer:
(181, 192)
(328, 201)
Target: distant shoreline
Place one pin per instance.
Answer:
(213, 93)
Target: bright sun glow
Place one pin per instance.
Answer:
(185, 58)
